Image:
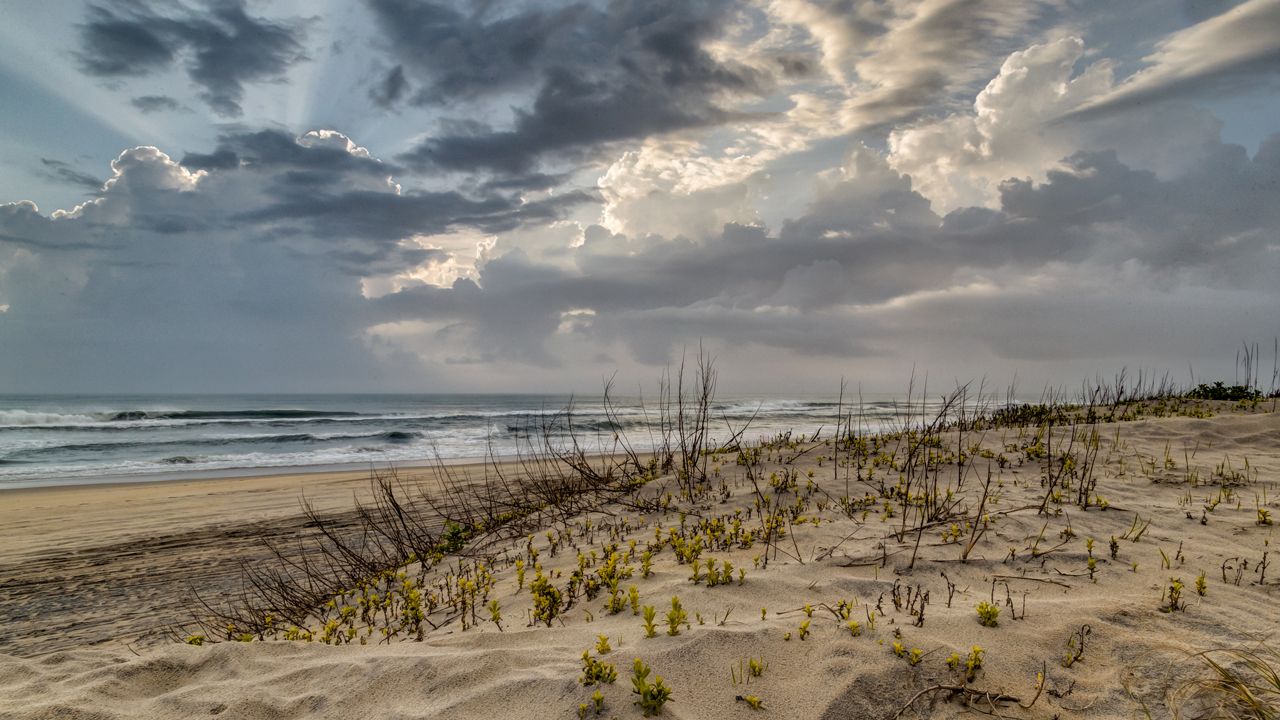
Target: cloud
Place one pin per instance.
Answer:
(393, 87)
(194, 269)
(1224, 54)
(62, 172)
(118, 44)
(825, 186)
(222, 48)
(899, 57)
(638, 70)
(1015, 129)
(155, 103)
(870, 271)
(327, 152)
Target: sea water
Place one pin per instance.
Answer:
(52, 440)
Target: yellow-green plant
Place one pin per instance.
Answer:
(596, 672)
(617, 602)
(650, 696)
(1172, 597)
(602, 645)
(804, 629)
(1075, 646)
(495, 613)
(988, 614)
(752, 701)
(676, 617)
(546, 599)
(649, 613)
(973, 663)
(1202, 587)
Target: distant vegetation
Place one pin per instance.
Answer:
(1222, 391)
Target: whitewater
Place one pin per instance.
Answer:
(53, 440)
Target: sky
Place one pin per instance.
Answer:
(468, 195)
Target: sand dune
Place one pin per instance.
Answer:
(92, 565)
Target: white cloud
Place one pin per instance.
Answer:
(1014, 130)
(1244, 41)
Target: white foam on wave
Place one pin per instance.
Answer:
(24, 418)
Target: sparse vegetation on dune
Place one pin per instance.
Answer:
(878, 541)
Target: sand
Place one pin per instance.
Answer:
(88, 574)
(116, 563)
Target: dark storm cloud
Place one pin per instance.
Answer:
(323, 186)
(271, 150)
(464, 55)
(391, 89)
(568, 117)
(634, 70)
(155, 103)
(62, 172)
(34, 244)
(389, 216)
(388, 260)
(129, 43)
(318, 194)
(528, 181)
(223, 47)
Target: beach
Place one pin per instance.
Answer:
(91, 575)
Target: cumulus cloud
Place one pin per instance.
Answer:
(222, 47)
(1015, 129)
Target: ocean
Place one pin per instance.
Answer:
(55, 440)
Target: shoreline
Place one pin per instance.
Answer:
(243, 473)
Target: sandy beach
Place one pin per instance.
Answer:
(113, 563)
(91, 575)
